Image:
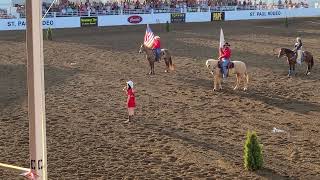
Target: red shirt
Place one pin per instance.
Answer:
(226, 53)
(131, 101)
(156, 44)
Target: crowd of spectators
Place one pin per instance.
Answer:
(3, 13)
(69, 8)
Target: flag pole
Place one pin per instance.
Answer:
(221, 42)
(36, 95)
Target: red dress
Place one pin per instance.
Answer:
(131, 102)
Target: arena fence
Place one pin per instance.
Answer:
(202, 8)
(156, 17)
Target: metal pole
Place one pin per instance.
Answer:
(36, 100)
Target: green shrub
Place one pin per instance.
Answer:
(49, 34)
(253, 157)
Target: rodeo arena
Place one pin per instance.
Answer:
(159, 89)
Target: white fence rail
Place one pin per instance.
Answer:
(78, 20)
(73, 13)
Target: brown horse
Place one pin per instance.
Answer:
(307, 57)
(151, 57)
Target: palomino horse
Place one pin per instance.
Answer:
(240, 70)
(307, 57)
(151, 57)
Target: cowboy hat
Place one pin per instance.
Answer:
(130, 83)
(226, 44)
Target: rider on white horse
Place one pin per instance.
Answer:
(298, 50)
(225, 59)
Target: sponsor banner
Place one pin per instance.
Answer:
(19, 24)
(88, 21)
(134, 19)
(271, 14)
(60, 22)
(178, 17)
(198, 17)
(217, 16)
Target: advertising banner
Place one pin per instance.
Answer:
(217, 16)
(59, 22)
(88, 21)
(178, 18)
(271, 14)
(133, 19)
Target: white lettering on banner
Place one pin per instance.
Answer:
(135, 19)
(264, 13)
(271, 14)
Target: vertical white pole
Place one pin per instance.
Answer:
(36, 100)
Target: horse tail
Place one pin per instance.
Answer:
(171, 65)
(312, 62)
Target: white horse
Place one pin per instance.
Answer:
(239, 69)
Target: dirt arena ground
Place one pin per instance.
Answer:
(182, 129)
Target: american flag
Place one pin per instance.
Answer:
(148, 37)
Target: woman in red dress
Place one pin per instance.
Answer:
(131, 100)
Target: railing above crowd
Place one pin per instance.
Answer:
(69, 12)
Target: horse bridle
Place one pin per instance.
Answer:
(142, 49)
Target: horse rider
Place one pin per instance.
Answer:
(225, 59)
(157, 47)
(298, 50)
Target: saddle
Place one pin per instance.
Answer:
(301, 58)
(229, 66)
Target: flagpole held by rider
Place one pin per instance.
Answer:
(224, 55)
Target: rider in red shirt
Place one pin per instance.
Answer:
(225, 58)
(157, 47)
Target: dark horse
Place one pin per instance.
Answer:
(307, 57)
(151, 57)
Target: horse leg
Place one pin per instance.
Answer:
(308, 69)
(246, 81)
(311, 63)
(294, 69)
(219, 82)
(289, 70)
(167, 65)
(215, 83)
(238, 76)
(150, 64)
(153, 68)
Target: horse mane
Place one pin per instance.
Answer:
(287, 50)
(146, 48)
(148, 51)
